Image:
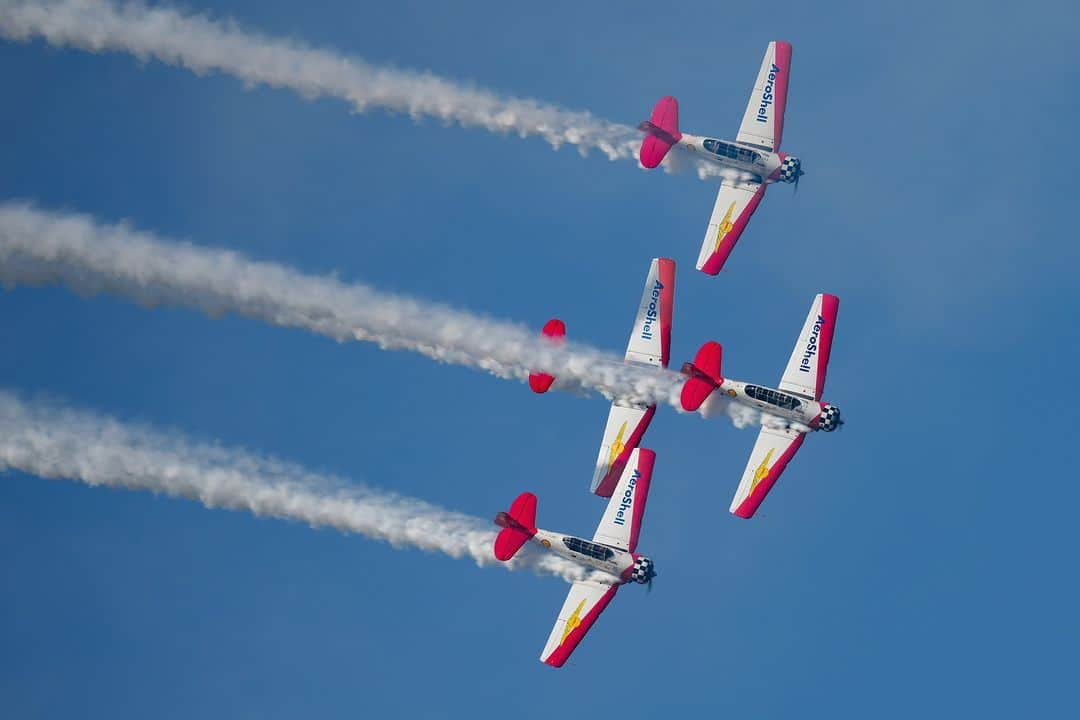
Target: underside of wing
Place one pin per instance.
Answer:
(650, 339)
(809, 361)
(736, 201)
(763, 122)
(621, 523)
(771, 454)
(626, 425)
(584, 603)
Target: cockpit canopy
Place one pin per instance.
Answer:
(589, 549)
(779, 399)
(733, 152)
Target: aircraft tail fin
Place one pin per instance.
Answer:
(555, 331)
(704, 376)
(518, 526)
(661, 132)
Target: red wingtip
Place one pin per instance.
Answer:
(555, 331)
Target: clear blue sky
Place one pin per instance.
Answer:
(920, 562)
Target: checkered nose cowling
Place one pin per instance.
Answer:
(830, 418)
(643, 570)
(790, 169)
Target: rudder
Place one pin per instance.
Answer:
(555, 331)
(662, 132)
(518, 526)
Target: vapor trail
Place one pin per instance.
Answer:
(204, 45)
(59, 443)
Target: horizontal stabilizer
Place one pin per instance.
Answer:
(662, 132)
(555, 330)
(704, 376)
(518, 526)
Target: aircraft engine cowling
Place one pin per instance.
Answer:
(790, 169)
(644, 570)
(830, 418)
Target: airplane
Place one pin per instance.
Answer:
(798, 401)
(610, 554)
(755, 154)
(649, 345)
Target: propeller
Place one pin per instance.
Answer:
(797, 176)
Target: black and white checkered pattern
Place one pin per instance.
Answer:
(790, 169)
(643, 570)
(830, 418)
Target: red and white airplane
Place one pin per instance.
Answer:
(798, 401)
(755, 154)
(650, 345)
(610, 553)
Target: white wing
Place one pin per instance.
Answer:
(805, 371)
(584, 603)
(621, 523)
(763, 122)
(649, 344)
(772, 452)
(650, 339)
(736, 201)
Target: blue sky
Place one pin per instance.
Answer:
(918, 562)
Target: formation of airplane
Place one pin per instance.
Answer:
(789, 412)
(754, 156)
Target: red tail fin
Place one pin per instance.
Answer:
(555, 330)
(662, 132)
(518, 526)
(704, 375)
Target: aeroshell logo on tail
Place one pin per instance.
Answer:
(767, 95)
(627, 500)
(652, 313)
(811, 345)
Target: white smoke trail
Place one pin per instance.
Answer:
(204, 45)
(50, 441)
(38, 247)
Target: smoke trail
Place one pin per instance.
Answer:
(60, 443)
(203, 45)
(37, 247)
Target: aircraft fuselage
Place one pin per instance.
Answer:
(623, 566)
(793, 407)
(768, 167)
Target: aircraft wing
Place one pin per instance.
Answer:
(650, 344)
(763, 122)
(805, 371)
(735, 203)
(650, 340)
(771, 454)
(584, 603)
(621, 524)
(625, 427)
